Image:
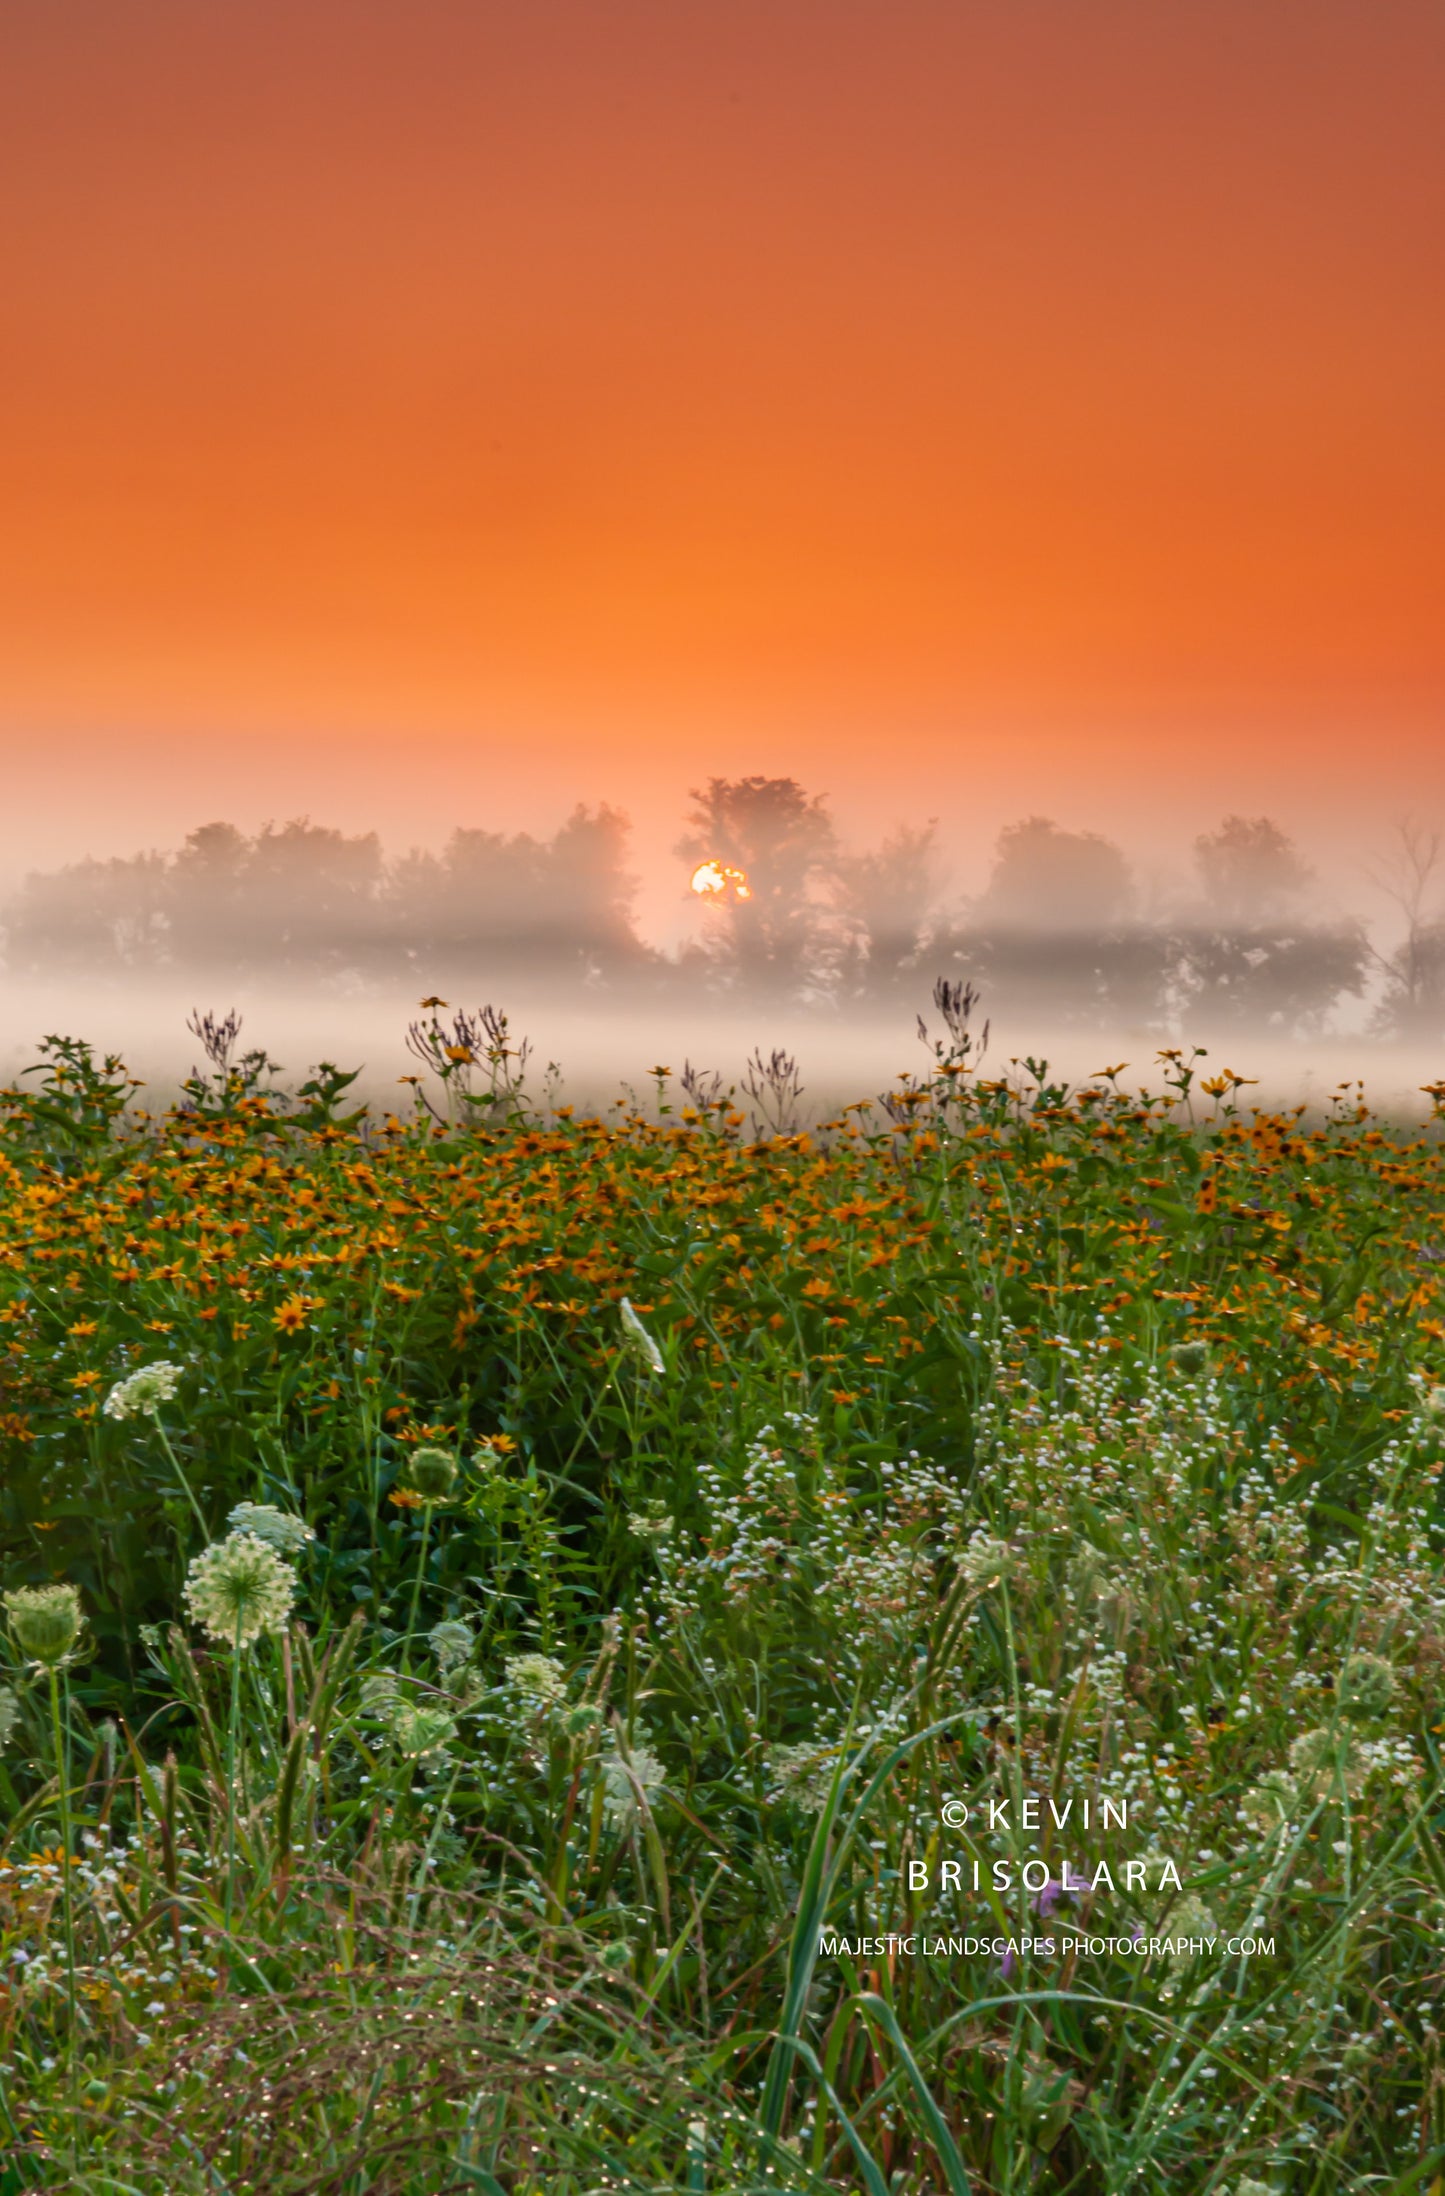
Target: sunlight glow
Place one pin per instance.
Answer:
(713, 880)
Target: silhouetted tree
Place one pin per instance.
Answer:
(1047, 879)
(303, 898)
(1252, 954)
(778, 937)
(207, 892)
(1052, 933)
(312, 897)
(92, 915)
(592, 890)
(885, 900)
(1287, 977)
(521, 904)
(1413, 876)
(1250, 872)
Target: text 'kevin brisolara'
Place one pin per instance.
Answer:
(1156, 1872)
(900, 1945)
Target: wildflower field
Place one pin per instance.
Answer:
(671, 1652)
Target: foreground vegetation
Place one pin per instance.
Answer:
(639, 1541)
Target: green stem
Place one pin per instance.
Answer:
(176, 1468)
(231, 1774)
(416, 1588)
(62, 1778)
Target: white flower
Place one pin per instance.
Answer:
(286, 1534)
(649, 1525)
(803, 1775)
(239, 1588)
(419, 1731)
(637, 1334)
(1324, 1760)
(1190, 1918)
(540, 1679)
(986, 1561)
(144, 1392)
(9, 1714)
(620, 1780)
(451, 1642)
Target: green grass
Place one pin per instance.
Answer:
(1015, 1443)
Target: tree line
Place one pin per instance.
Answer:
(1061, 929)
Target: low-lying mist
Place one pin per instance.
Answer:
(592, 1051)
(326, 946)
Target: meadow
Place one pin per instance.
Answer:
(511, 1615)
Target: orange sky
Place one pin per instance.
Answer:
(422, 409)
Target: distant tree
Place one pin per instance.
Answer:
(310, 897)
(303, 897)
(1052, 934)
(1251, 954)
(519, 904)
(885, 899)
(1048, 879)
(1285, 977)
(1413, 876)
(592, 890)
(1250, 872)
(776, 938)
(207, 888)
(95, 915)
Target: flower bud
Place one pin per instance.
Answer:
(431, 1473)
(45, 1622)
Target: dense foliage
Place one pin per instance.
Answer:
(628, 1540)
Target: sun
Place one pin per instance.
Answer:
(714, 880)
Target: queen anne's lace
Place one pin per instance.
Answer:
(540, 1679)
(286, 1534)
(142, 1395)
(45, 1623)
(239, 1588)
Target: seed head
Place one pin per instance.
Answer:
(1366, 1688)
(635, 1333)
(45, 1623)
(1323, 1760)
(286, 1534)
(432, 1474)
(239, 1588)
(142, 1395)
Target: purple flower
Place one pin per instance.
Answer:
(1007, 1965)
(1049, 1897)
